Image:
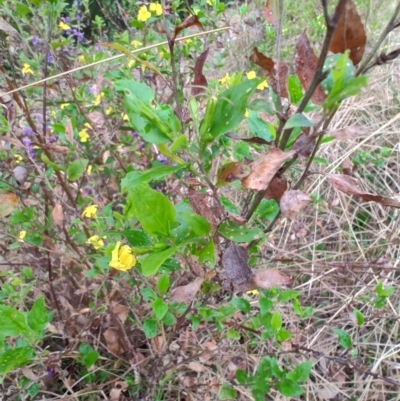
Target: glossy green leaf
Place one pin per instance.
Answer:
(160, 308)
(301, 372)
(294, 88)
(12, 322)
(230, 109)
(359, 317)
(76, 169)
(298, 120)
(344, 338)
(241, 376)
(283, 335)
(38, 317)
(151, 263)
(240, 304)
(154, 210)
(262, 105)
(240, 233)
(198, 224)
(135, 178)
(276, 320)
(289, 388)
(259, 127)
(226, 392)
(14, 358)
(150, 328)
(88, 354)
(163, 283)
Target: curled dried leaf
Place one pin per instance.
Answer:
(277, 187)
(186, 293)
(234, 262)
(268, 278)
(293, 202)
(350, 132)
(349, 34)
(58, 215)
(305, 65)
(231, 172)
(200, 81)
(264, 169)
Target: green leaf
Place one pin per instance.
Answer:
(154, 123)
(260, 128)
(151, 263)
(136, 238)
(207, 253)
(283, 335)
(294, 88)
(14, 358)
(163, 283)
(344, 338)
(265, 305)
(13, 322)
(76, 169)
(289, 388)
(298, 120)
(198, 224)
(241, 304)
(384, 292)
(241, 376)
(230, 109)
(154, 211)
(262, 105)
(88, 354)
(160, 308)
(226, 392)
(287, 295)
(359, 317)
(276, 321)
(268, 209)
(301, 372)
(48, 162)
(38, 317)
(150, 328)
(135, 178)
(239, 233)
(232, 334)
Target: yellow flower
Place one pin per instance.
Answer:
(125, 117)
(156, 7)
(262, 85)
(136, 43)
(63, 106)
(225, 80)
(109, 111)
(253, 292)
(95, 241)
(251, 75)
(22, 234)
(131, 63)
(87, 125)
(81, 58)
(64, 26)
(90, 212)
(83, 135)
(26, 69)
(246, 114)
(18, 158)
(143, 14)
(122, 258)
(210, 2)
(89, 169)
(98, 99)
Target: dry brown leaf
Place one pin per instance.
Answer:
(349, 34)
(347, 166)
(196, 367)
(121, 311)
(28, 373)
(202, 205)
(8, 202)
(200, 81)
(115, 394)
(58, 215)
(186, 293)
(269, 14)
(350, 186)
(6, 27)
(327, 392)
(96, 119)
(234, 262)
(267, 278)
(63, 150)
(293, 202)
(303, 145)
(273, 70)
(231, 172)
(69, 131)
(305, 64)
(112, 340)
(350, 132)
(276, 188)
(264, 169)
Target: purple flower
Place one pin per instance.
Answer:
(162, 159)
(53, 139)
(26, 141)
(27, 131)
(35, 41)
(68, 31)
(135, 134)
(38, 117)
(79, 37)
(65, 19)
(50, 58)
